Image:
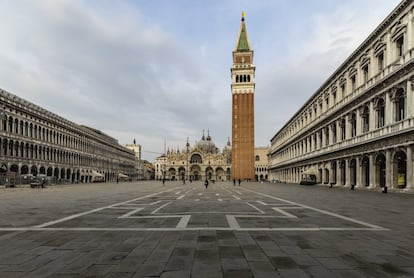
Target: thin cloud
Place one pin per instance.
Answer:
(160, 70)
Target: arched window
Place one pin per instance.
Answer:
(257, 158)
(10, 124)
(399, 104)
(16, 126)
(353, 125)
(248, 78)
(380, 108)
(343, 129)
(237, 79)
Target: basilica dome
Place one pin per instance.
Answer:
(206, 144)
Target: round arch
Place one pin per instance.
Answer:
(365, 171)
(195, 172)
(380, 172)
(400, 169)
(220, 174)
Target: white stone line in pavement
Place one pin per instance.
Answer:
(127, 215)
(238, 192)
(108, 229)
(178, 192)
(199, 194)
(98, 209)
(287, 214)
(274, 205)
(183, 222)
(197, 200)
(217, 194)
(164, 205)
(180, 197)
(321, 211)
(235, 197)
(231, 193)
(231, 219)
(256, 208)
(220, 200)
(124, 208)
(214, 212)
(132, 205)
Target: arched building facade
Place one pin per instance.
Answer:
(35, 141)
(357, 129)
(199, 162)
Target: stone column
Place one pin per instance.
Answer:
(388, 169)
(348, 127)
(358, 166)
(338, 173)
(347, 173)
(371, 116)
(388, 108)
(410, 184)
(372, 176)
(410, 98)
(358, 120)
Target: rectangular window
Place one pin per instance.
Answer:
(353, 82)
(343, 90)
(400, 46)
(334, 97)
(380, 61)
(365, 71)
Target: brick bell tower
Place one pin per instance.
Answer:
(242, 89)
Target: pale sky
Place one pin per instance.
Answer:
(158, 70)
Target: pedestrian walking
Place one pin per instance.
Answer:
(239, 182)
(206, 184)
(234, 182)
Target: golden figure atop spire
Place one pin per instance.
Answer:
(243, 14)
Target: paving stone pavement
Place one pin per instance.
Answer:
(145, 229)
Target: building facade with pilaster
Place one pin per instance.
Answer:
(357, 129)
(36, 141)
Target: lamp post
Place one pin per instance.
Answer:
(187, 145)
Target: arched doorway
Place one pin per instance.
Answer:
(365, 171)
(195, 173)
(14, 168)
(352, 169)
(62, 174)
(343, 172)
(326, 180)
(56, 173)
(172, 174)
(333, 172)
(400, 169)
(42, 170)
(24, 170)
(380, 169)
(33, 170)
(181, 173)
(209, 173)
(220, 176)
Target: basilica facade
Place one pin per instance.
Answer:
(199, 162)
(357, 129)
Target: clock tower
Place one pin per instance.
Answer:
(242, 89)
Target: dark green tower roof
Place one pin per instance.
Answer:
(243, 43)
